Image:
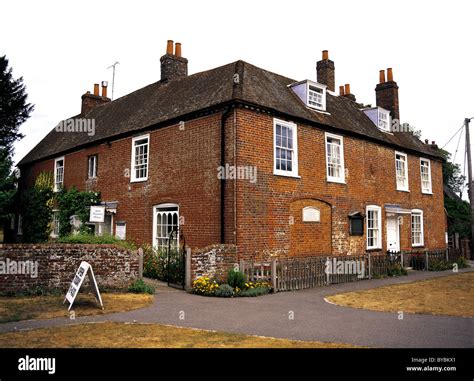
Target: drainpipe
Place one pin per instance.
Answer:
(224, 117)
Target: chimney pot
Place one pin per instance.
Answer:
(341, 90)
(389, 75)
(104, 88)
(426, 141)
(381, 76)
(173, 66)
(347, 88)
(177, 49)
(325, 72)
(386, 94)
(169, 47)
(96, 89)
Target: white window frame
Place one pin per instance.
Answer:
(406, 187)
(323, 95)
(342, 178)
(94, 168)
(55, 228)
(418, 212)
(133, 177)
(294, 168)
(386, 113)
(156, 210)
(56, 187)
(378, 209)
(430, 189)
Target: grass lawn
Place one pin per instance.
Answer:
(123, 335)
(47, 307)
(450, 295)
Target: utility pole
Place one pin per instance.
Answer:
(469, 179)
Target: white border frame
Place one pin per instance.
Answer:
(429, 176)
(55, 188)
(379, 226)
(422, 243)
(155, 207)
(319, 86)
(343, 167)
(407, 189)
(293, 126)
(133, 179)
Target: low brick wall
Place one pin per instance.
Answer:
(114, 267)
(213, 261)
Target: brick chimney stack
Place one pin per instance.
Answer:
(386, 93)
(91, 101)
(325, 71)
(173, 65)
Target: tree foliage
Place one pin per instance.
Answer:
(36, 213)
(14, 110)
(75, 203)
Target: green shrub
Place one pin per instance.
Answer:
(86, 238)
(254, 291)
(140, 287)
(73, 202)
(462, 263)
(224, 291)
(236, 279)
(36, 212)
(396, 270)
(154, 263)
(438, 265)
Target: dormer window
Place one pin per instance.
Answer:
(316, 97)
(383, 119)
(313, 94)
(380, 117)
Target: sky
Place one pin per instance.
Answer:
(61, 48)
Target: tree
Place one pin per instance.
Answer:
(452, 173)
(14, 110)
(459, 210)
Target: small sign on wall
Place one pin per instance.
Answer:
(311, 214)
(97, 214)
(83, 270)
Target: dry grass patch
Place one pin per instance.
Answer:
(123, 335)
(450, 295)
(47, 307)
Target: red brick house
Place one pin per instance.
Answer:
(241, 155)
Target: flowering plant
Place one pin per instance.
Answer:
(205, 286)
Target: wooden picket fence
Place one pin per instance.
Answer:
(309, 272)
(300, 273)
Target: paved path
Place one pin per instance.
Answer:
(313, 317)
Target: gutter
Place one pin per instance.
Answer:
(224, 117)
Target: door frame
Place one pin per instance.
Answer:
(397, 223)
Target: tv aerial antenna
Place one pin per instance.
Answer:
(113, 76)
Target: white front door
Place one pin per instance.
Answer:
(393, 236)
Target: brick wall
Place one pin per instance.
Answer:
(113, 266)
(213, 261)
(183, 170)
(264, 208)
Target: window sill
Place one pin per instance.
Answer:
(374, 249)
(403, 190)
(139, 180)
(337, 181)
(418, 246)
(428, 193)
(290, 175)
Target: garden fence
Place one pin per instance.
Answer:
(309, 272)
